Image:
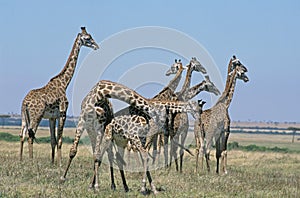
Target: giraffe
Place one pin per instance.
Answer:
(99, 96)
(180, 121)
(215, 122)
(124, 130)
(50, 101)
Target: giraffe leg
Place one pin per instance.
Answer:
(154, 153)
(33, 122)
(197, 148)
(22, 137)
(61, 125)
(110, 159)
(207, 161)
(181, 152)
(73, 150)
(173, 151)
(52, 125)
(147, 174)
(153, 188)
(166, 145)
(98, 155)
(120, 158)
(224, 153)
(199, 138)
(160, 143)
(218, 153)
(224, 144)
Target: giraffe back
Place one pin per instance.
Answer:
(127, 129)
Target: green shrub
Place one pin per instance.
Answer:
(15, 138)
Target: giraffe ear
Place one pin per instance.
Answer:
(207, 78)
(83, 29)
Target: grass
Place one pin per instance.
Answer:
(251, 174)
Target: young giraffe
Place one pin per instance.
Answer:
(51, 102)
(180, 121)
(221, 143)
(124, 130)
(215, 122)
(99, 95)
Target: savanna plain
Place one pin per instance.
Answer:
(250, 173)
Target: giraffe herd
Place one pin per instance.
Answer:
(145, 123)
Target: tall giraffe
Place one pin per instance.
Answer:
(221, 143)
(51, 102)
(180, 121)
(98, 97)
(215, 122)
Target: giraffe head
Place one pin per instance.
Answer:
(240, 69)
(201, 104)
(195, 108)
(196, 66)
(210, 86)
(87, 40)
(175, 67)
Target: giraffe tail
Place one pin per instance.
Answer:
(181, 146)
(31, 133)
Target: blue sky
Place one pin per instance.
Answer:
(37, 37)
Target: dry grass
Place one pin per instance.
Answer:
(251, 174)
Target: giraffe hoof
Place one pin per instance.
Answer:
(145, 191)
(62, 179)
(113, 187)
(126, 189)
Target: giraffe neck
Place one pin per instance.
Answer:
(67, 72)
(228, 71)
(193, 91)
(175, 81)
(167, 92)
(187, 83)
(227, 94)
(230, 93)
(108, 89)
